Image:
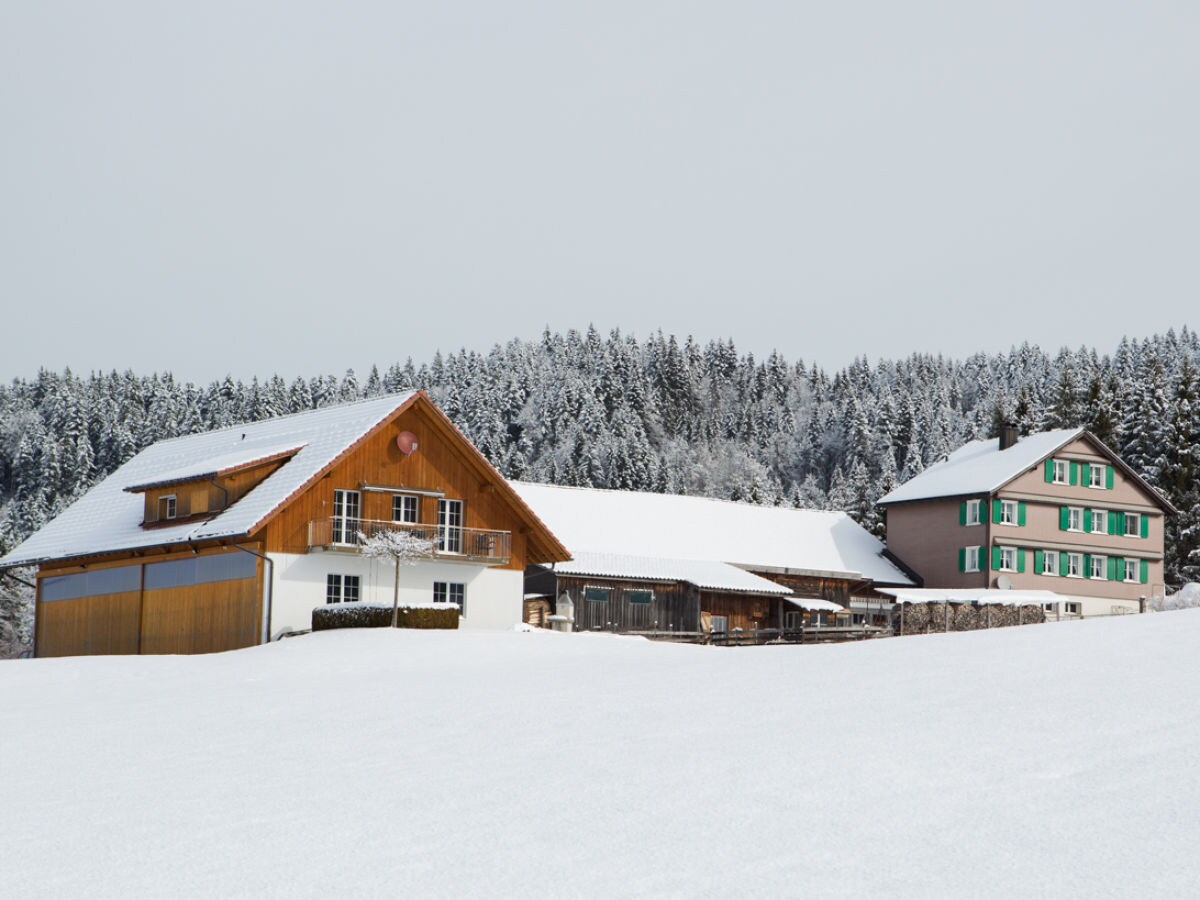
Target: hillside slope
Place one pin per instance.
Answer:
(1052, 761)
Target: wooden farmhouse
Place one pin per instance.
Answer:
(1054, 511)
(668, 563)
(230, 538)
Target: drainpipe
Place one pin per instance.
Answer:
(270, 576)
(224, 490)
(17, 578)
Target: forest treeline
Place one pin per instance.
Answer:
(660, 414)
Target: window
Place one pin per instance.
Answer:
(1072, 609)
(719, 624)
(639, 596)
(346, 507)
(971, 560)
(972, 513)
(1095, 475)
(1008, 512)
(451, 592)
(1075, 519)
(405, 508)
(450, 522)
(1008, 559)
(1131, 570)
(166, 507)
(1099, 566)
(1099, 521)
(1061, 471)
(597, 594)
(1075, 565)
(1050, 562)
(341, 588)
(1133, 525)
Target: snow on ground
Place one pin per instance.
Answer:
(1055, 760)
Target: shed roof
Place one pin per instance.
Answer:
(704, 574)
(677, 527)
(982, 596)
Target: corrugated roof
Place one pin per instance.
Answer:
(982, 596)
(980, 467)
(705, 574)
(671, 526)
(108, 518)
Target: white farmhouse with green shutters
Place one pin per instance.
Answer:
(1057, 511)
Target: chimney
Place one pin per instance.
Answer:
(1008, 435)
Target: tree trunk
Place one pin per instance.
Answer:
(396, 596)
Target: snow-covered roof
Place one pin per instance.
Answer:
(980, 467)
(247, 454)
(109, 518)
(812, 604)
(982, 596)
(704, 574)
(672, 526)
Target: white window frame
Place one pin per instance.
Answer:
(1074, 524)
(1136, 565)
(1136, 519)
(1010, 512)
(1103, 516)
(1062, 471)
(1074, 565)
(347, 516)
(1005, 553)
(444, 592)
(336, 585)
(402, 501)
(1103, 561)
(971, 559)
(1049, 567)
(973, 512)
(172, 509)
(724, 623)
(1093, 470)
(1071, 609)
(452, 516)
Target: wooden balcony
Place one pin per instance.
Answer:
(477, 545)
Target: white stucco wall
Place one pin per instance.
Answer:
(493, 595)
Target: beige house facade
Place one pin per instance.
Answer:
(1055, 511)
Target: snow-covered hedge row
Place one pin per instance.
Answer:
(354, 615)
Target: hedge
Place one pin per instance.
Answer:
(352, 615)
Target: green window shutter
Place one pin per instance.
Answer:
(1112, 568)
(1074, 479)
(1144, 571)
(1111, 519)
(1064, 563)
(1020, 559)
(962, 559)
(1108, 477)
(1049, 469)
(997, 511)
(996, 558)
(1039, 561)
(962, 513)
(1145, 526)
(1021, 513)
(1064, 518)
(1119, 528)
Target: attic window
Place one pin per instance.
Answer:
(166, 507)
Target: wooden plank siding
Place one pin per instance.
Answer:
(89, 626)
(202, 618)
(676, 606)
(197, 498)
(438, 464)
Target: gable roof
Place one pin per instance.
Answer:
(634, 524)
(108, 518)
(705, 574)
(981, 467)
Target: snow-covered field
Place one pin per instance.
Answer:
(1056, 760)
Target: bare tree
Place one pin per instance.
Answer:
(402, 547)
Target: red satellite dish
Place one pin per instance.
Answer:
(407, 442)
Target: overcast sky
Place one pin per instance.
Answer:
(252, 187)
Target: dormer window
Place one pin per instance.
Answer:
(166, 507)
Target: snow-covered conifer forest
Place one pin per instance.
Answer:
(660, 414)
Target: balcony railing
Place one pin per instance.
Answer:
(448, 542)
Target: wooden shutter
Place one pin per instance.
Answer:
(962, 559)
(1064, 518)
(1111, 519)
(1020, 559)
(1021, 512)
(1087, 565)
(1144, 571)
(1039, 561)
(1074, 476)
(1145, 525)
(1049, 469)
(1112, 569)
(997, 511)
(1108, 477)
(962, 513)
(996, 558)
(1064, 562)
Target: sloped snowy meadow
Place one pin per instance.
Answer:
(1053, 760)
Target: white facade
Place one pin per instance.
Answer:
(492, 596)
